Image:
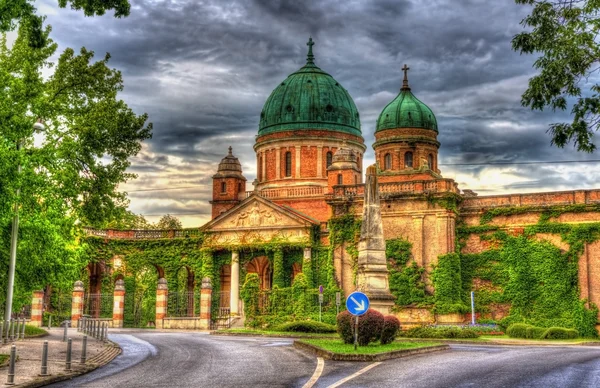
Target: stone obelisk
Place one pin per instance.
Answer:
(372, 276)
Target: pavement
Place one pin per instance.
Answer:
(29, 357)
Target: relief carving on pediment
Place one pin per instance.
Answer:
(257, 216)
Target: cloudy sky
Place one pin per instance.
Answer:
(203, 69)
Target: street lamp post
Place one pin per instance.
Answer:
(38, 126)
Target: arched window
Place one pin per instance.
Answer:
(239, 187)
(259, 168)
(223, 187)
(358, 161)
(408, 159)
(329, 158)
(340, 179)
(430, 161)
(387, 162)
(355, 179)
(288, 163)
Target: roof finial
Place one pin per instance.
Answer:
(310, 58)
(405, 86)
(230, 149)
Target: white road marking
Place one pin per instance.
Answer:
(360, 372)
(317, 374)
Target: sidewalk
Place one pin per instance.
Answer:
(29, 358)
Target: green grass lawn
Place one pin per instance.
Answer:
(337, 346)
(3, 358)
(32, 331)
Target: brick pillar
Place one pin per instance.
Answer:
(205, 303)
(118, 303)
(37, 303)
(162, 291)
(234, 296)
(77, 303)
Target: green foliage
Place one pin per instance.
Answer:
(564, 35)
(249, 293)
(446, 278)
(389, 332)
(306, 327)
(278, 274)
(406, 281)
(300, 300)
(522, 330)
(343, 231)
(518, 330)
(439, 332)
(168, 222)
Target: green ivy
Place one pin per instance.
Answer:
(406, 280)
(447, 281)
(278, 275)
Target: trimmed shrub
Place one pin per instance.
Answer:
(560, 333)
(249, 293)
(518, 330)
(440, 332)
(300, 300)
(369, 327)
(534, 332)
(391, 325)
(345, 326)
(307, 327)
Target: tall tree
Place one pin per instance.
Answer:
(168, 222)
(565, 34)
(71, 169)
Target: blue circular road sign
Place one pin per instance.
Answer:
(357, 303)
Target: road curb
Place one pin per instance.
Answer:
(499, 343)
(327, 355)
(111, 351)
(286, 335)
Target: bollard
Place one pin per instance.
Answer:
(23, 332)
(65, 332)
(1, 332)
(83, 349)
(44, 371)
(98, 330)
(18, 334)
(106, 332)
(11, 366)
(12, 333)
(49, 321)
(101, 336)
(69, 348)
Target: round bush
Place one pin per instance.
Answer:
(345, 326)
(307, 327)
(391, 325)
(518, 330)
(560, 333)
(369, 327)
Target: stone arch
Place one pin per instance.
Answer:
(261, 266)
(296, 269)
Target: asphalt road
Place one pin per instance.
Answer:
(157, 359)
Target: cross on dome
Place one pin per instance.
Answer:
(405, 86)
(310, 58)
(230, 149)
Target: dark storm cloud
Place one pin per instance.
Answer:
(203, 69)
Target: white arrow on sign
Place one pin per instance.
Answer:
(359, 306)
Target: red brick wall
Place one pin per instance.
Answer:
(308, 166)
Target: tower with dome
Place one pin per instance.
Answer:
(309, 162)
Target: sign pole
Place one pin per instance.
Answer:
(472, 308)
(355, 332)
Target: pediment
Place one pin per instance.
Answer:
(256, 213)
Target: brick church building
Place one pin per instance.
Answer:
(309, 158)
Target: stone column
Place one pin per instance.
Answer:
(205, 303)
(298, 151)
(278, 162)
(77, 303)
(162, 291)
(37, 303)
(319, 161)
(234, 297)
(263, 168)
(118, 303)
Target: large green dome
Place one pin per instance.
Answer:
(406, 111)
(309, 99)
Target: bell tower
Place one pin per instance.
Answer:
(229, 185)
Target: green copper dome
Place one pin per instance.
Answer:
(309, 99)
(406, 111)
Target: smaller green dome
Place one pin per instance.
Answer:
(406, 111)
